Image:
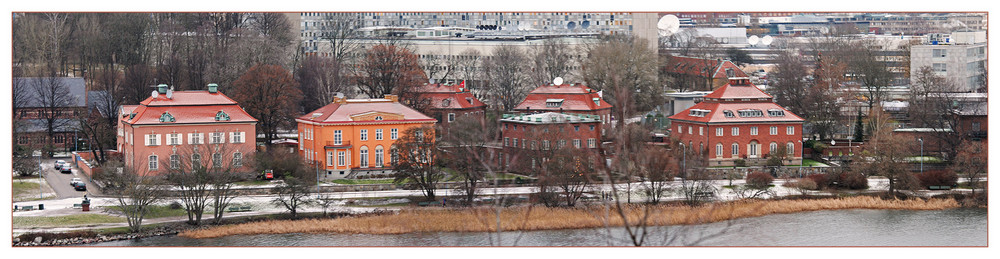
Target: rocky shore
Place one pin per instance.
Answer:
(39, 239)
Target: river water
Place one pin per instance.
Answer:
(953, 227)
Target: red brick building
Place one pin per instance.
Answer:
(448, 102)
(522, 134)
(44, 102)
(739, 121)
(699, 74)
(569, 98)
(170, 130)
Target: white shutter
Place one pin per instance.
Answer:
(201, 138)
(191, 138)
(147, 140)
(232, 137)
(158, 139)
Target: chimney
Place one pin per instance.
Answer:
(213, 88)
(392, 97)
(161, 88)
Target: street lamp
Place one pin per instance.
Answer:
(38, 154)
(684, 161)
(921, 154)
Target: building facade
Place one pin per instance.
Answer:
(175, 130)
(525, 135)
(569, 98)
(960, 58)
(354, 137)
(448, 102)
(739, 121)
(44, 102)
(700, 74)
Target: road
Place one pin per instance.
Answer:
(60, 181)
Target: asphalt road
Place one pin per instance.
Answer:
(60, 181)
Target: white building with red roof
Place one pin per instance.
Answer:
(447, 102)
(171, 130)
(568, 98)
(354, 137)
(739, 121)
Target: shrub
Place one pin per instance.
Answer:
(806, 184)
(853, 181)
(740, 163)
(175, 205)
(820, 180)
(938, 178)
(759, 180)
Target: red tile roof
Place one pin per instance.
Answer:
(730, 98)
(185, 107)
(576, 97)
(458, 97)
(702, 67)
(342, 110)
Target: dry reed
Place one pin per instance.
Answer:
(542, 218)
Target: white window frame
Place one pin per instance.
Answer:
(364, 135)
(378, 134)
(736, 150)
(175, 139)
(338, 137)
(218, 137)
(175, 161)
(363, 157)
(196, 138)
(701, 131)
(237, 159)
(774, 130)
(154, 163)
(379, 156)
(790, 148)
(152, 139)
(329, 158)
(736, 131)
(236, 137)
(577, 143)
(719, 131)
(592, 143)
(451, 117)
(393, 134)
(753, 131)
(340, 158)
(718, 150)
(790, 130)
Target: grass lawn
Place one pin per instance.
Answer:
(21, 188)
(363, 181)
(808, 163)
(926, 159)
(161, 211)
(252, 183)
(69, 220)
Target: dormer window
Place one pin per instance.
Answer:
(166, 117)
(553, 103)
(775, 113)
(468, 100)
(445, 102)
(729, 114)
(221, 116)
(750, 113)
(378, 118)
(699, 112)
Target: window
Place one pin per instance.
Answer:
(524, 143)
(379, 156)
(576, 143)
(217, 160)
(591, 127)
(753, 131)
(378, 134)
(515, 142)
(451, 117)
(680, 129)
(690, 131)
(175, 139)
(753, 149)
(237, 159)
(561, 143)
(545, 145)
(393, 133)
(728, 113)
(217, 138)
(736, 149)
(774, 130)
(364, 135)
(701, 131)
(772, 148)
(718, 150)
(790, 148)
(154, 164)
(340, 158)
(976, 126)
(236, 137)
(790, 130)
(393, 154)
(60, 139)
(364, 157)
(175, 161)
(196, 138)
(940, 53)
(152, 139)
(719, 131)
(750, 113)
(592, 143)
(196, 160)
(940, 67)
(506, 141)
(736, 131)
(534, 145)
(775, 113)
(576, 128)
(337, 137)
(329, 158)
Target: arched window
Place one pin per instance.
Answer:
(790, 148)
(379, 156)
(364, 157)
(196, 160)
(154, 162)
(753, 149)
(772, 148)
(736, 149)
(393, 154)
(718, 150)
(237, 159)
(175, 161)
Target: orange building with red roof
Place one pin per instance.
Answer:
(354, 137)
(163, 131)
(569, 98)
(699, 74)
(448, 102)
(739, 121)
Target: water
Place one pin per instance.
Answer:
(954, 227)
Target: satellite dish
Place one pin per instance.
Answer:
(557, 81)
(155, 94)
(432, 81)
(340, 95)
(753, 40)
(585, 24)
(170, 94)
(668, 24)
(767, 40)
(571, 25)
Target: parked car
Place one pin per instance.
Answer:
(80, 186)
(59, 164)
(75, 181)
(66, 169)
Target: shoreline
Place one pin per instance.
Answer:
(483, 219)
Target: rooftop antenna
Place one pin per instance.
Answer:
(668, 24)
(767, 40)
(557, 81)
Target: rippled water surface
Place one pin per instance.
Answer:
(955, 227)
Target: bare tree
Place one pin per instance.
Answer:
(468, 67)
(133, 188)
(462, 150)
(204, 175)
(550, 59)
(340, 31)
(504, 73)
(269, 94)
(626, 71)
(971, 163)
(293, 194)
(320, 80)
(872, 73)
(884, 154)
(389, 69)
(417, 161)
(790, 86)
(54, 104)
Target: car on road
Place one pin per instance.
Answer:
(66, 169)
(80, 186)
(59, 164)
(75, 181)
